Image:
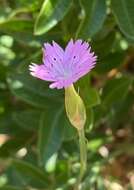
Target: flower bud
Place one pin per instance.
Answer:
(75, 108)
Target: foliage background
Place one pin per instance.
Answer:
(38, 146)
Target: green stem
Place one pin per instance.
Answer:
(83, 157)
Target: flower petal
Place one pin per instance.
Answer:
(54, 58)
(40, 72)
(58, 50)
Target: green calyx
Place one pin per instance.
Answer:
(75, 108)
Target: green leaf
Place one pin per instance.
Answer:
(69, 131)
(52, 11)
(8, 126)
(53, 129)
(33, 91)
(30, 170)
(104, 45)
(90, 120)
(28, 119)
(109, 62)
(89, 94)
(124, 14)
(8, 187)
(121, 111)
(91, 97)
(115, 90)
(50, 134)
(16, 25)
(94, 14)
(11, 146)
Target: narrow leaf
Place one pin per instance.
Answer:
(94, 14)
(7, 187)
(30, 170)
(124, 14)
(34, 91)
(28, 119)
(52, 11)
(50, 134)
(115, 90)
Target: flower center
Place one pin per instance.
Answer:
(66, 74)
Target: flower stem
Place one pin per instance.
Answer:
(83, 157)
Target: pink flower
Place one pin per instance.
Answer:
(64, 67)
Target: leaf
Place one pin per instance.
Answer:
(89, 94)
(121, 111)
(115, 90)
(8, 126)
(91, 97)
(28, 119)
(8, 187)
(94, 14)
(16, 25)
(109, 62)
(52, 132)
(30, 170)
(103, 46)
(124, 15)
(34, 91)
(90, 120)
(69, 131)
(11, 146)
(52, 11)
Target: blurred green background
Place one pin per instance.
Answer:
(39, 148)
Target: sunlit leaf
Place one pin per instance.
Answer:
(16, 25)
(52, 11)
